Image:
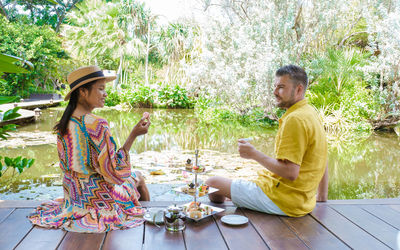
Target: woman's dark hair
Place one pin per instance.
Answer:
(62, 124)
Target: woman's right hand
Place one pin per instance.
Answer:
(142, 126)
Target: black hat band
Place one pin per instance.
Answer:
(92, 75)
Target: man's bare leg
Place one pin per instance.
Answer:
(224, 186)
(142, 187)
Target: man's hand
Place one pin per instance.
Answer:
(246, 150)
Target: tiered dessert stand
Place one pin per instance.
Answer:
(196, 193)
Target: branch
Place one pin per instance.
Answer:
(347, 37)
(296, 25)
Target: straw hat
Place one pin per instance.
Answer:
(84, 75)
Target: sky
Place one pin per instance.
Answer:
(170, 10)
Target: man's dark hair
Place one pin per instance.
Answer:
(296, 74)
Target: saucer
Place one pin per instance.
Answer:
(234, 219)
(158, 220)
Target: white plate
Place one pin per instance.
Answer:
(158, 220)
(207, 169)
(215, 211)
(210, 190)
(234, 219)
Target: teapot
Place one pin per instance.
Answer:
(174, 218)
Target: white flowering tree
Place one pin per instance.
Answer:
(384, 43)
(245, 42)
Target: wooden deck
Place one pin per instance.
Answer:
(27, 115)
(344, 224)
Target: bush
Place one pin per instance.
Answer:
(140, 97)
(113, 98)
(174, 97)
(337, 88)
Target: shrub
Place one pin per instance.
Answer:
(174, 97)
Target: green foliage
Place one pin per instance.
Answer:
(113, 98)
(7, 64)
(174, 97)
(210, 112)
(338, 90)
(140, 97)
(18, 163)
(41, 46)
(7, 99)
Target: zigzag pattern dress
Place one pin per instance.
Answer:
(99, 187)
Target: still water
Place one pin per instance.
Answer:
(360, 168)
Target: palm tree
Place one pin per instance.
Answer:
(139, 22)
(176, 42)
(98, 29)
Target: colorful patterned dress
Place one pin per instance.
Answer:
(99, 187)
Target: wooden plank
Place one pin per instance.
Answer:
(87, 241)
(384, 213)
(313, 234)
(394, 201)
(373, 225)
(395, 207)
(274, 231)
(160, 238)
(4, 213)
(239, 237)
(344, 229)
(14, 228)
(19, 203)
(168, 203)
(125, 239)
(203, 234)
(42, 238)
(34, 203)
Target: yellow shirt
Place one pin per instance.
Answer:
(300, 139)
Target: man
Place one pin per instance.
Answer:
(291, 183)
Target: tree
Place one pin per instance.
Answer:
(106, 33)
(40, 12)
(39, 45)
(178, 42)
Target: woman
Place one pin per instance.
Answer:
(100, 191)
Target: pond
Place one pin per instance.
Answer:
(361, 168)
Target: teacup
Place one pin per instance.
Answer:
(156, 214)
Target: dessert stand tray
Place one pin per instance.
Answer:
(180, 190)
(215, 210)
(208, 169)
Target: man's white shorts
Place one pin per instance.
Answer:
(247, 194)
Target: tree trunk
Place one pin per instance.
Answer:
(60, 20)
(146, 71)
(119, 71)
(3, 11)
(61, 16)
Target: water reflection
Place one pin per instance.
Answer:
(362, 168)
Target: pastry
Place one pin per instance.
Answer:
(189, 165)
(203, 190)
(191, 188)
(198, 169)
(195, 214)
(208, 210)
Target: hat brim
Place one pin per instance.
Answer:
(107, 78)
